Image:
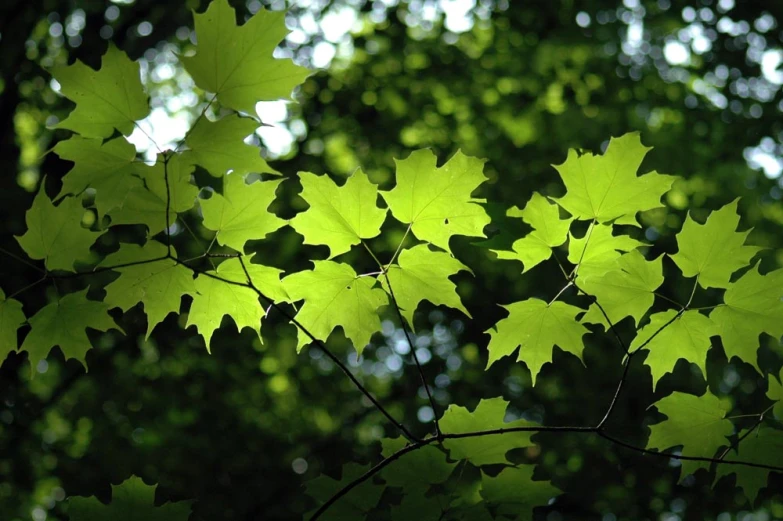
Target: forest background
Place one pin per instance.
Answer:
(242, 429)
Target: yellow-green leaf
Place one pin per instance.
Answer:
(334, 296)
(713, 250)
(242, 212)
(606, 187)
(437, 202)
(536, 327)
(423, 274)
(339, 216)
(55, 233)
(236, 63)
(107, 99)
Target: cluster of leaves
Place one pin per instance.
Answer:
(463, 470)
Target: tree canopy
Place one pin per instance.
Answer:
(391, 260)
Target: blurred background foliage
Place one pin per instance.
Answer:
(516, 82)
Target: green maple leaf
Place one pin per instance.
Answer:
(536, 327)
(548, 232)
(515, 493)
(107, 99)
(483, 450)
(147, 204)
(436, 202)
(775, 393)
(713, 250)
(339, 216)
(132, 500)
(159, 285)
(11, 319)
(335, 296)
(63, 323)
(241, 214)
(764, 446)
(687, 337)
(606, 187)
(625, 291)
(598, 251)
(219, 147)
(416, 470)
(423, 274)
(416, 505)
(108, 167)
(697, 423)
(55, 233)
(752, 305)
(356, 504)
(216, 298)
(236, 63)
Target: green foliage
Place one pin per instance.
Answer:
(696, 422)
(235, 63)
(613, 275)
(111, 98)
(339, 216)
(130, 500)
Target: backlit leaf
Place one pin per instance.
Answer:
(55, 233)
(158, 285)
(694, 422)
(752, 306)
(63, 323)
(110, 98)
(437, 202)
(110, 167)
(236, 63)
(215, 298)
(423, 274)
(625, 291)
(598, 250)
(219, 147)
(687, 337)
(241, 213)
(147, 204)
(416, 470)
(763, 446)
(488, 415)
(548, 231)
(606, 187)
(713, 250)
(536, 327)
(334, 296)
(339, 216)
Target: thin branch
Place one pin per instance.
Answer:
(415, 446)
(399, 247)
(168, 203)
(31, 285)
(687, 458)
(568, 285)
(103, 269)
(560, 265)
(22, 260)
(249, 284)
(664, 297)
(747, 433)
(584, 250)
(693, 292)
(199, 118)
(404, 325)
(627, 365)
(603, 312)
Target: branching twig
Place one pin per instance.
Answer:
(404, 325)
